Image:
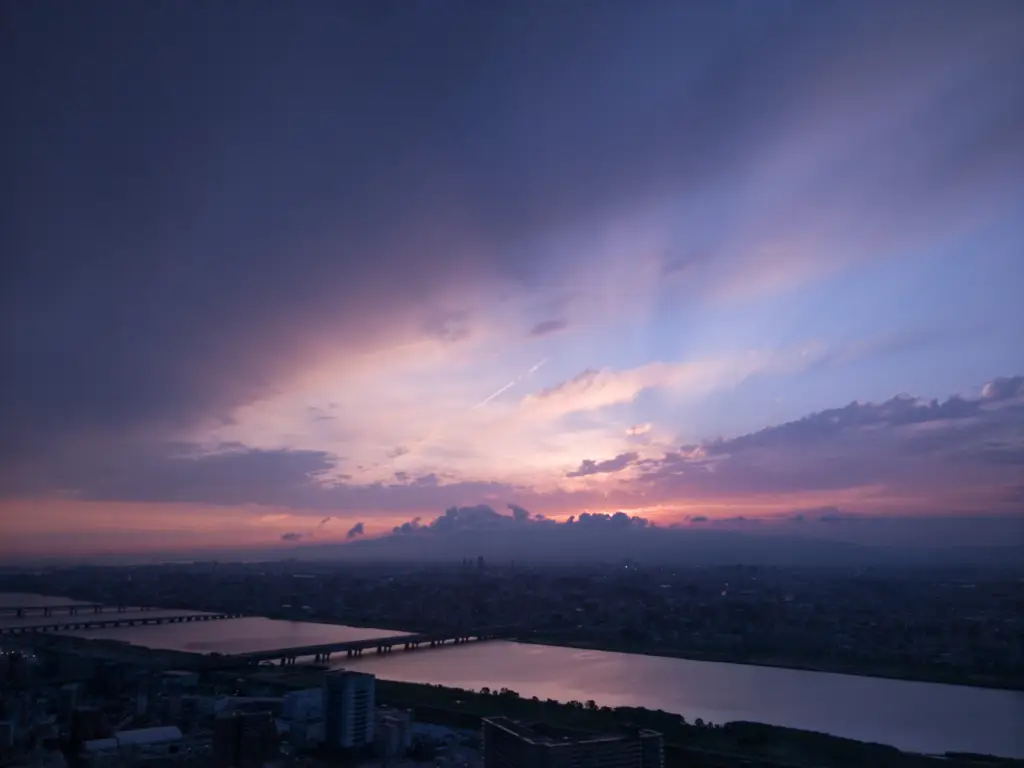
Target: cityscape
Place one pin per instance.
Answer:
(318, 664)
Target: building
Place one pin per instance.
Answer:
(142, 745)
(348, 707)
(393, 732)
(67, 700)
(7, 731)
(304, 705)
(509, 744)
(86, 724)
(244, 739)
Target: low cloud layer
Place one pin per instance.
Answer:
(810, 537)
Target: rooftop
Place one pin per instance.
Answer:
(551, 736)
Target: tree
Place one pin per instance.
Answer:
(591, 704)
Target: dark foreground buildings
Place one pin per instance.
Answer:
(509, 744)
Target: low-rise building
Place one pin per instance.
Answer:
(393, 731)
(510, 744)
(134, 746)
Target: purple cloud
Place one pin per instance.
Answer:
(591, 467)
(903, 442)
(548, 327)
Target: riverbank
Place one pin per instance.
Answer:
(695, 744)
(692, 744)
(906, 673)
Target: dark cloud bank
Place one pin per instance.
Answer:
(814, 537)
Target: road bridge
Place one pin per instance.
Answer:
(70, 624)
(322, 652)
(72, 609)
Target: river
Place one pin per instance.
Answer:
(921, 717)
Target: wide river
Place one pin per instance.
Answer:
(922, 717)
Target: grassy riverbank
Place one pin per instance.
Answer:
(916, 674)
(695, 745)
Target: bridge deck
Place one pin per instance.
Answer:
(38, 620)
(381, 643)
(101, 621)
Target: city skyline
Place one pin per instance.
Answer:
(697, 263)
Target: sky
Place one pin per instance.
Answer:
(312, 271)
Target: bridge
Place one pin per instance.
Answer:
(72, 609)
(322, 653)
(124, 621)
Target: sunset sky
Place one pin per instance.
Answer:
(273, 273)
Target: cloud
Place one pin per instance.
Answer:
(481, 531)
(519, 514)
(182, 278)
(593, 389)
(411, 526)
(291, 536)
(548, 327)
(356, 530)
(924, 449)
(484, 518)
(591, 467)
(1003, 388)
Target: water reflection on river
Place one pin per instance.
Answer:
(235, 635)
(923, 717)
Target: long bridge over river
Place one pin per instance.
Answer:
(128, 620)
(71, 609)
(387, 644)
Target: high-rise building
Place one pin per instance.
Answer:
(244, 739)
(348, 708)
(509, 744)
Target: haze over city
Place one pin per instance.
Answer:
(690, 273)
